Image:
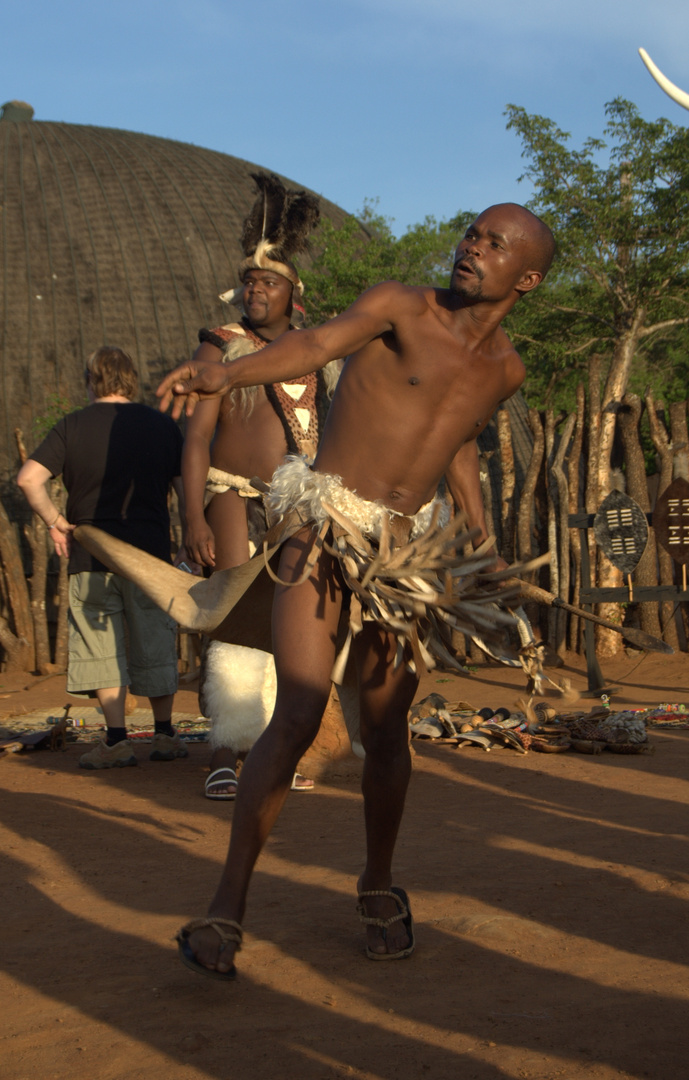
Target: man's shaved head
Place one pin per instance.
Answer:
(540, 240)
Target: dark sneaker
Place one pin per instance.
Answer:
(167, 748)
(109, 757)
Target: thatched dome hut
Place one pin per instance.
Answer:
(111, 237)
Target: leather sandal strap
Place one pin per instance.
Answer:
(234, 937)
(369, 920)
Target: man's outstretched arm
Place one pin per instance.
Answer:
(292, 355)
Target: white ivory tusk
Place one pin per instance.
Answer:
(670, 89)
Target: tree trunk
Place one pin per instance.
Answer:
(526, 499)
(17, 594)
(575, 504)
(551, 492)
(560, 641)
(667, 575)
(591, 492)
(615, 386)
(62, 632)
(36, 538)
(59, 497)
(525, 513)
(507, 472)
(680, 468)
(680, 440)
(14, 648)
(637, 487)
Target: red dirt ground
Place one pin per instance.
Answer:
(550, 894)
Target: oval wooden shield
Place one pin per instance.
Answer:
(671, 520)
(621, 530)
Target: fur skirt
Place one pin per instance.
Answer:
(297, 487)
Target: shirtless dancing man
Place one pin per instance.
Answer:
(426, 370)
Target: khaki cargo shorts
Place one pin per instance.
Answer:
(118, 637)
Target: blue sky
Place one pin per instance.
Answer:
(400, 100)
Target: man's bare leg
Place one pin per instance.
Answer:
(385, 697)
(226, 515)
(305, 621)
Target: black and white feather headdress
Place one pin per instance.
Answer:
(276, 229)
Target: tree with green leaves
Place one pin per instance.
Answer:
(619, 211)
(364, 251)
(618, 290)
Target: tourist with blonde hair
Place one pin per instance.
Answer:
(117, 459)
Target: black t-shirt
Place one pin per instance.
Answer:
(117, 462)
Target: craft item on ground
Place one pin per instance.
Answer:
(58, 734)
(535, 727)
(620, 733)
(668, 716)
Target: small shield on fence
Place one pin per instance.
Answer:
(671, 520)
(621, 530)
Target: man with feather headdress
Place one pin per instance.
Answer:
(232, 440)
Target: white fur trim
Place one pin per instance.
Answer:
(297, 487)
(239, 692)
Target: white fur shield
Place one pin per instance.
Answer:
(238, 694)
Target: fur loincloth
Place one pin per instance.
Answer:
(410, 575)
(297, 487)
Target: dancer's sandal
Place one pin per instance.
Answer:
(301, 783)
(403, 915)
(229, 932)
(219, 779)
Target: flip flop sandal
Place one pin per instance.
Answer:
(403, 915)
(221, 778)
(188, 957)
(428, 728)
(468, 737)
(504, 736)
(301, 783)
(552, 746)
(448, 724)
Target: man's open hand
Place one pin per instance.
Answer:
(190, 382)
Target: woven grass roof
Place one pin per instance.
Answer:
(108, 237)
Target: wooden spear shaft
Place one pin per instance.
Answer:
(629, 633)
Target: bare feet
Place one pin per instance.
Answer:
(389, 925)
(221, 783)
(301, 783)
